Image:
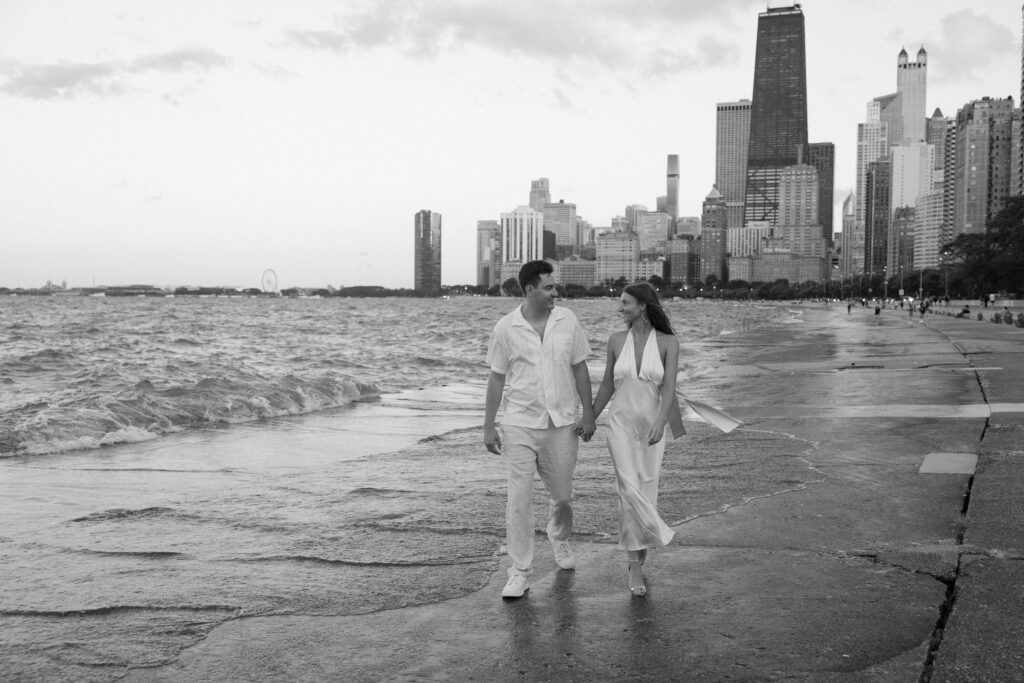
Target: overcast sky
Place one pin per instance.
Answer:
(176, 142)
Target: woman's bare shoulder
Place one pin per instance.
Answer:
(666, 340)
(616, 339)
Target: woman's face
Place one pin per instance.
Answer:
(630, 308)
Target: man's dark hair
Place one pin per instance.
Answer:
(531, 271)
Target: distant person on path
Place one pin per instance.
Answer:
(538, 360)
(639, 387)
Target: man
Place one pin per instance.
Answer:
(538, 360)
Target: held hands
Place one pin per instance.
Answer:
(585, 428)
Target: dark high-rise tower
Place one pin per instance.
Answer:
(878, 187)
(822, 156)
(778, 109)
(672, 189)
(427, 252)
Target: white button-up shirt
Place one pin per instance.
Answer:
(539, 382)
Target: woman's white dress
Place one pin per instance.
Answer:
(633, 406)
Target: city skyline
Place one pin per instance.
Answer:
(144, 146)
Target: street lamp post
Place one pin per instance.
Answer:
(945, 268)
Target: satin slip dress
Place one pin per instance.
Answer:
(634, 404)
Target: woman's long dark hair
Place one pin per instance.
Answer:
(645, 293)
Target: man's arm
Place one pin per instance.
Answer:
(495, 388)
(582, 376)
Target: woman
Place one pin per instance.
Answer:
(640, 383)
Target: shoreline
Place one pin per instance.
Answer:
(808, 542)
(842, 574)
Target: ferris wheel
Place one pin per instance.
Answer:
(269, 282)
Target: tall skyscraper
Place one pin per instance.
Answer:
(892, 120)
(583, 235)
(935, 135)
(672, 187)
(684, 261)
(928, 230)
(845, 244)
(912, 88)
(983, 173)
(798, 196)
(799, 230)
(949, 184)
(872, 145)
(878, 214)
(653, 228)
(540, 194)
(427, 252)
(732, 135)
(913, 166)
(778, 110)
(900, 242)
(560, 220)
(912, 160)
(713, 234)
(822, 156)
(488, 252)
(522, 236)
(618, 255)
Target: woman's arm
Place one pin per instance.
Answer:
(668, 344)
(604, 393)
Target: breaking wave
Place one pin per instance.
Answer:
(146, 412)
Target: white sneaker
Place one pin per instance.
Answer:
(517, 585)
(564, 557)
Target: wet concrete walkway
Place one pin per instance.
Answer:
(892, 548)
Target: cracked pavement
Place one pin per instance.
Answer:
(831, 558)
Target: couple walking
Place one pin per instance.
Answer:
(538, 361)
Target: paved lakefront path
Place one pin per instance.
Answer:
(866, 523)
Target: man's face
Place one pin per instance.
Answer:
(545, 293)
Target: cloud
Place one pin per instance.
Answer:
(645, 37)
(180, 60)
(968, 44)
(69, 80)
(319, 40)
(57, 81)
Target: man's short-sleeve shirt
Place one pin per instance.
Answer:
(539, 381)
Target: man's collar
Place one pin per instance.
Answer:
(556, 314)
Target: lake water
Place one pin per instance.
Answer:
(168, 464)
